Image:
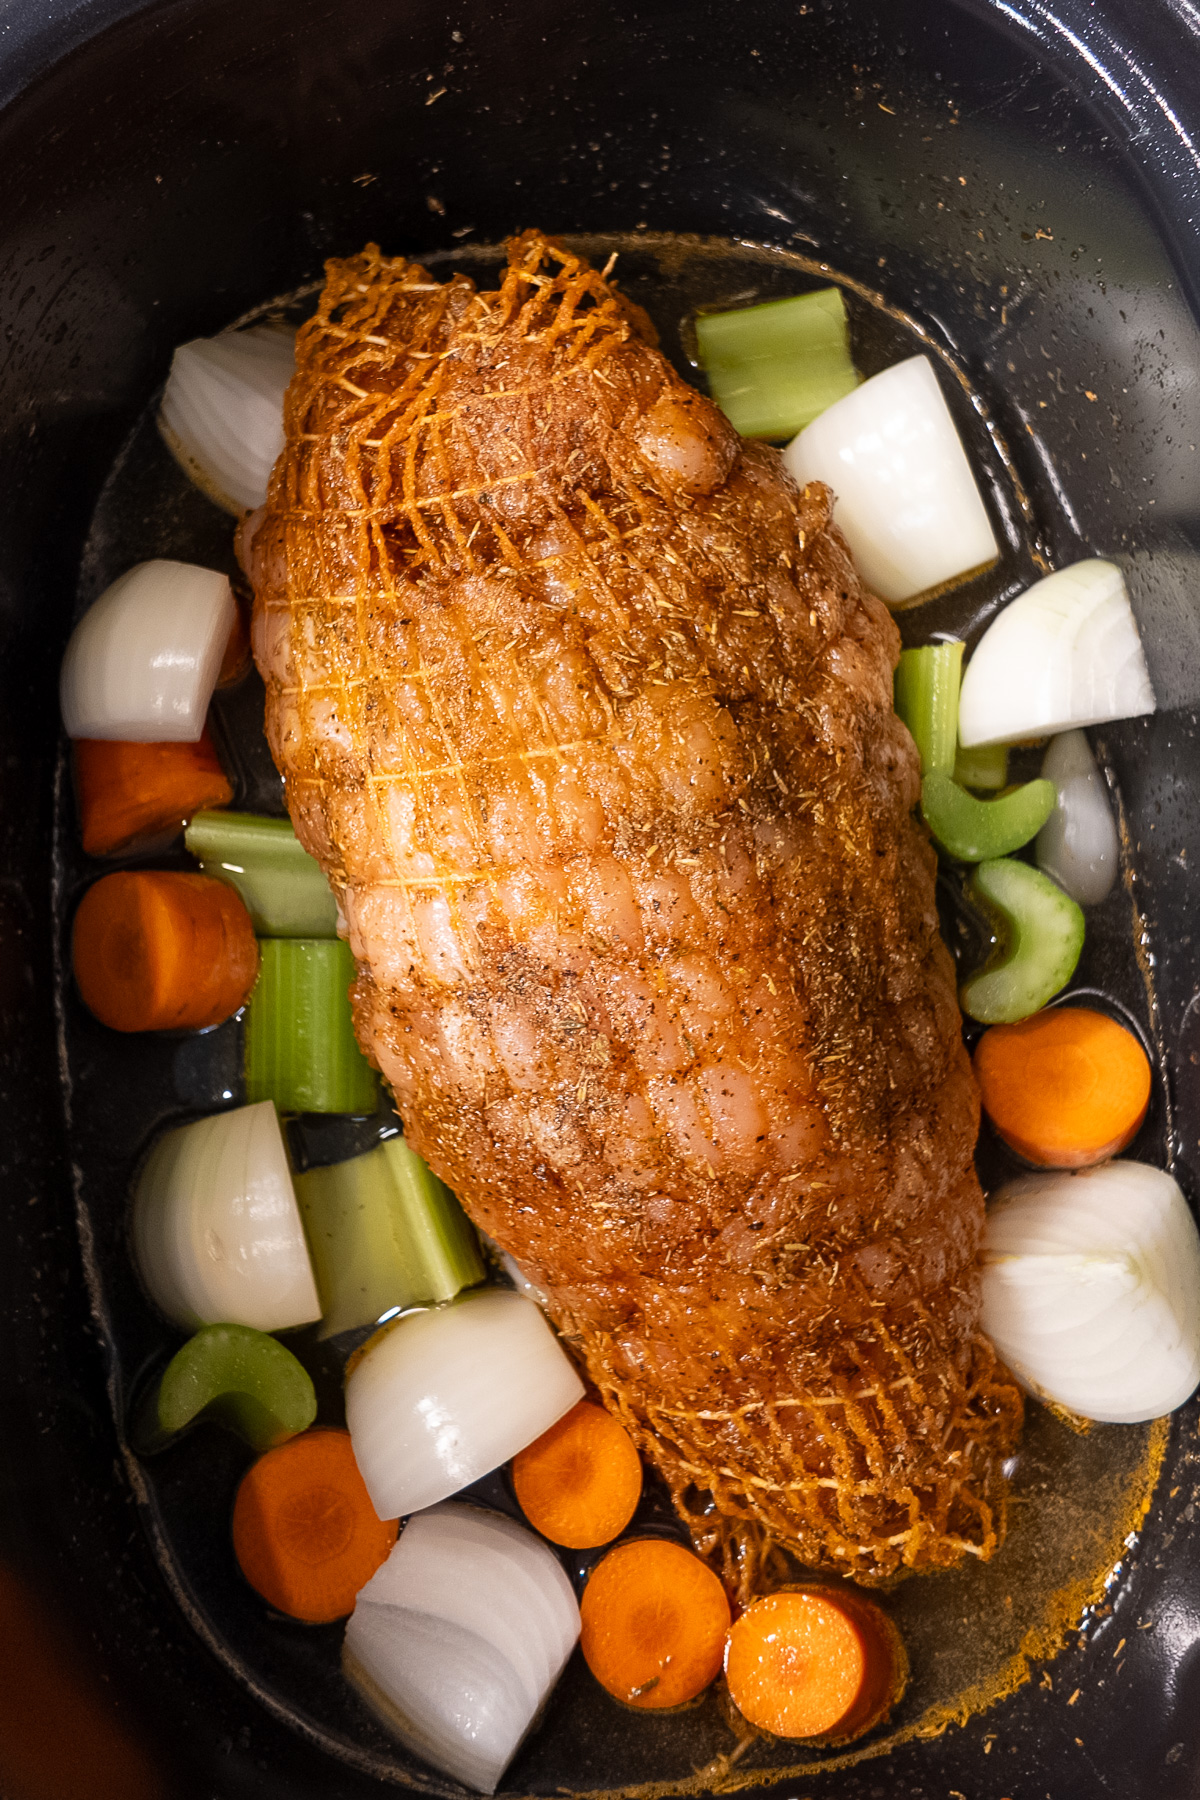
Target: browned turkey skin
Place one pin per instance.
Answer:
(582, 708)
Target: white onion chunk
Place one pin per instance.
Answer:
(222, 411)
(1064, 653)
(216, 1230)
(1077, 846)
(142, 663)
(458, 1639)
(442, 1397)
(904, 494)
(1091, 1290)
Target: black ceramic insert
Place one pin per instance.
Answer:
(1021, 187)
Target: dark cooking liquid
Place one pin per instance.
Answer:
(973, 1634)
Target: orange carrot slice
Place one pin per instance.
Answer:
(159, 951)
(580, 1482)
(814, 1663)
(304, 1531)
(1065, 1088)
(654, 1623)
(129, 793)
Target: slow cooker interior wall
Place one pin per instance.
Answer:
(197, 158)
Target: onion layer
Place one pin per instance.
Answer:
(1091, 1290)
(440, 1398)
(904, 493)
(222, 411)
(1077, 845)
(142, 663)
(1066, 652)
(457, 1640)
(216, 1229)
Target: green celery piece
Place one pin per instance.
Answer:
(773, 368)
(1041, 936)
(301, 1051)
(983, 766)
(284, 888)
(384, 1232)
(926, 696)
(239, 1378)
(980, 830)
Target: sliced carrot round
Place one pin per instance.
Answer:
(1065, 1088)
(580, 1482)
(157, 950)
(654, 1620)
(807, 1663)
(132, 792)
(304, 1531)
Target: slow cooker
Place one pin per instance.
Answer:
(1012, 185)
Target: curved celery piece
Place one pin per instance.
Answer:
(240, 1378)
(772, 368)
(1041, 936)
(926, 698)
(301, 1051)
(983, 766)
(283, 887)
(979, 830)
(384, 1233)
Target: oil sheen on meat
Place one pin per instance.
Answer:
(584, 711)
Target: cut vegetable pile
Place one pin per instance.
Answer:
(461, 1618)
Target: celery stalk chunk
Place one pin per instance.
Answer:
(773, 368)
(1041, 936)
(237, 1377)
(384, 1233)
(301, 1051)
(984, 766)
(926, 697)
(284, 888)
(979, 830)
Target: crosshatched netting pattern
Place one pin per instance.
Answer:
(582, 707)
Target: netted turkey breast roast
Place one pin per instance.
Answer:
(582, 708)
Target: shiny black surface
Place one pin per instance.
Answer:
(189, 160)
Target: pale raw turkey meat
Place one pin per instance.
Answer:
(583, 709)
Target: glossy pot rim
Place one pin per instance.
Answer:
(1130, 72)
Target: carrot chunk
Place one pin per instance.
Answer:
(305, 1534)
(133, 792)
(158, 951)
(1065, 1088)
(654, 1622)
(815, 1663)
(580, 1482)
